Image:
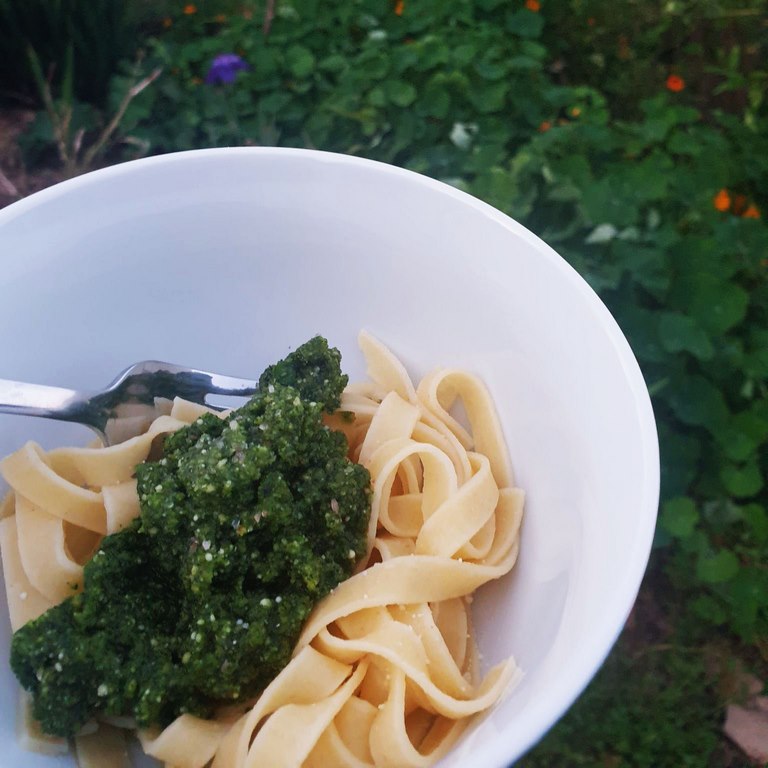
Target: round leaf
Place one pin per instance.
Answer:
(400, 93)
(714, 569)
(300, 60)
(742, 481)
(679, 517)
(680, 333)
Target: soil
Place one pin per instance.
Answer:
(15, 180)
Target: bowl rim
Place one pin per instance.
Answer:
(539, 719)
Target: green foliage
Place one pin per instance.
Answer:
(623, 180)
(624, 717)
(71, 125)
(355, 77)
(688, 285)
(628, 49)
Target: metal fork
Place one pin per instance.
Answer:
(128, 405)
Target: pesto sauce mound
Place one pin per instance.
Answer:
(245, 524)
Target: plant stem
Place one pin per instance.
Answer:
(269, 15)
(110, 128)
(8, 185)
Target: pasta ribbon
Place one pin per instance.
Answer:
(386, 672)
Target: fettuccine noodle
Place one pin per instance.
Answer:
(386, 671)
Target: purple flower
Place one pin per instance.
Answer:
(224, 69)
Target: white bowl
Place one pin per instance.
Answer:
(224, 259)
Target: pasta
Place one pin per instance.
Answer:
(386, 671)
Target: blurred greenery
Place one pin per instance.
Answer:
(102, 33)
(633, 137)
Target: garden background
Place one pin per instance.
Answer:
(632, 136)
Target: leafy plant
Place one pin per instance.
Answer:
(653, 195)
(68, 121)
(687, 283)
(412, 89)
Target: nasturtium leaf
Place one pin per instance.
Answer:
(735, 444)
(679, 517)
(647, 265)
(744, 432)
(640, 327)
(717, 568)
(334, 63)
(489, 97)
(742, 480)
(653, 129)
(464, 53)
(698, 402)
(525, 23)
(434, 102)
(564, 191)
(709, 609)
(300, 60)
(400, 93)
(541, 52)
(377, 97)
(680, 143)
(521, 63)
(695, 544)
(716, 304)
(650, 178)
(756, 518)
(699, 262)
(374, 66)
(756, 356)
(433, 53)
(491, 66)
(680, 333)
(680, 455)
(747, 594)
(607, 198)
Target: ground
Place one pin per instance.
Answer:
(15, 181)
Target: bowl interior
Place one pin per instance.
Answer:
(226, 259)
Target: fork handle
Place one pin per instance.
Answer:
(40, 400)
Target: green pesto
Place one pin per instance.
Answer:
(245, 524)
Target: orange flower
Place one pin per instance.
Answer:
(752, 212)
(575, 111)
(533, 5)
(167, 22)
(722, 200)
(190, 9)
(399, 7)
(545, 126)
(591, 21)
(675, 83)
(220, 18)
